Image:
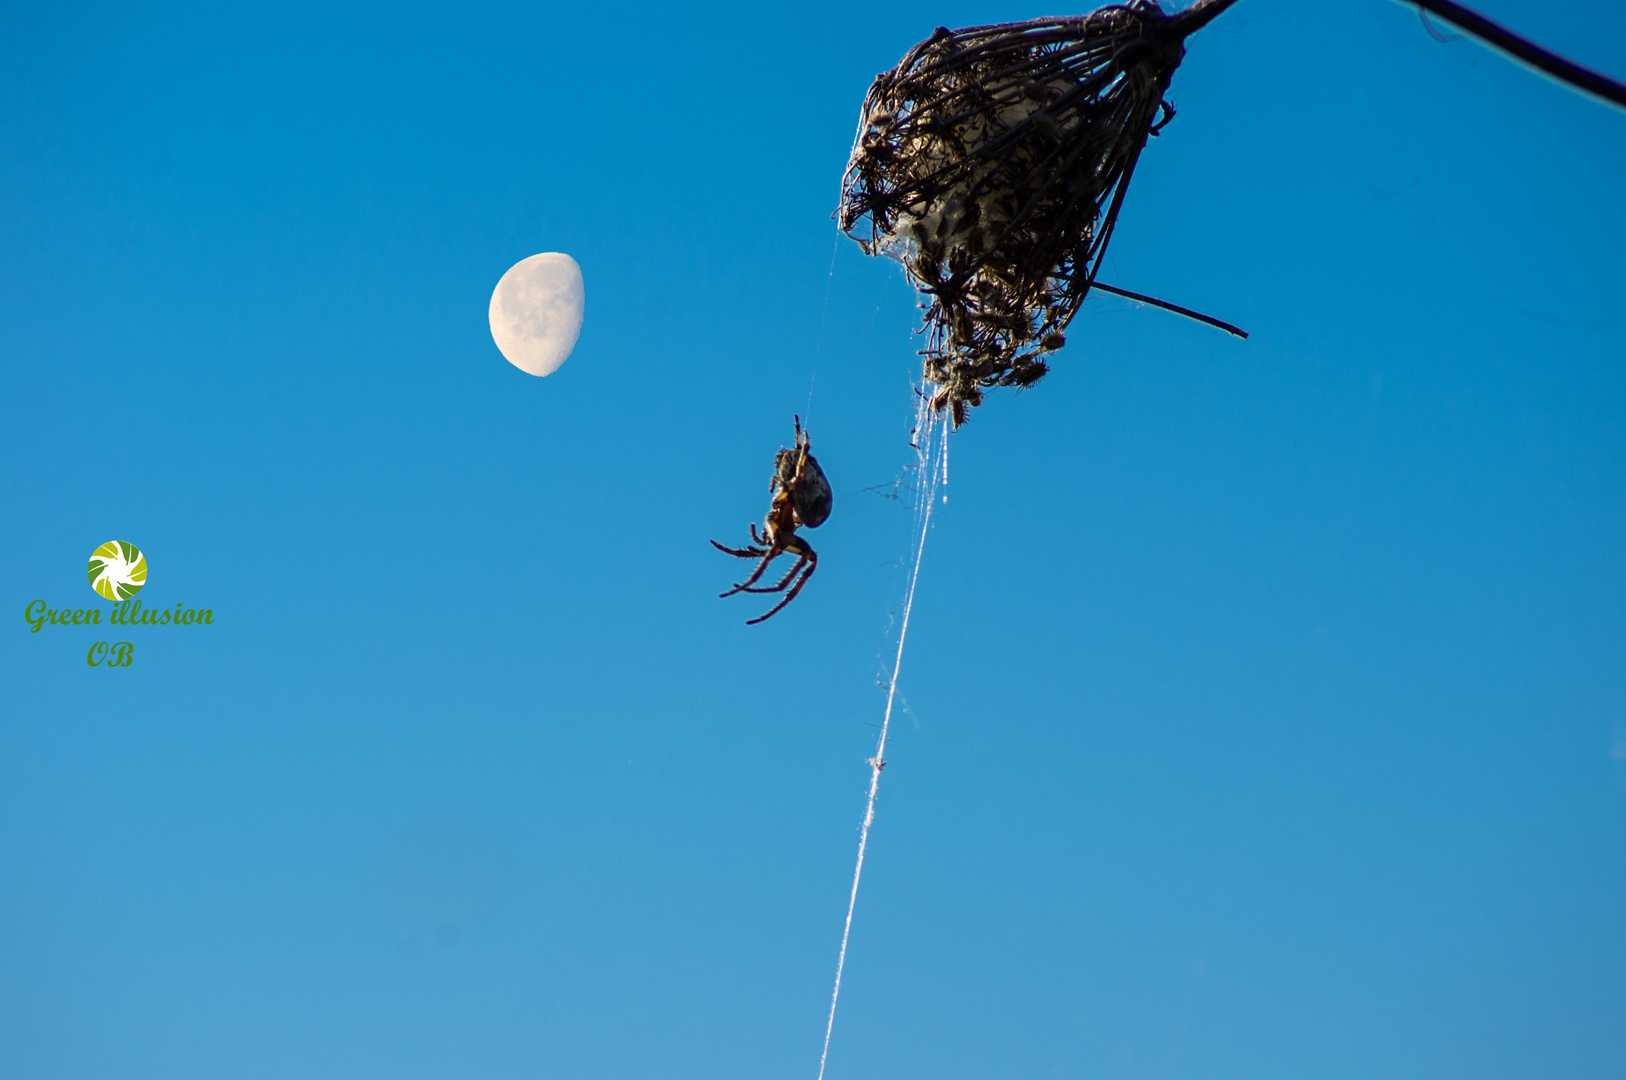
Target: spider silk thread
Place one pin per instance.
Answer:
(931, 465)
(818, 338)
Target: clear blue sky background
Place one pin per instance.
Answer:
(1266, 700)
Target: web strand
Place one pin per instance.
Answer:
(931, 450)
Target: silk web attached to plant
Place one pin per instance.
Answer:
(992, 162)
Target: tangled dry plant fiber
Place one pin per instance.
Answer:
(992, 163)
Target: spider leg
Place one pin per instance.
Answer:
(805, 554)
(740, 553)
(812, 565)
(755, 574)
(784, 581)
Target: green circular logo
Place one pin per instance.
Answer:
(117, 570)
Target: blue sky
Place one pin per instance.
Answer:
(1266, 701)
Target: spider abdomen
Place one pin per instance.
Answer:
(812, 494)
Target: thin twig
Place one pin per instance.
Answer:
(1176, 308)
(1492, 33)
(1199, 15)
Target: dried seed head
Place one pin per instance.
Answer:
(992, 163)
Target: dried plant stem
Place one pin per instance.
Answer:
(1166, 306)
(1492, 33)
(1191, 19)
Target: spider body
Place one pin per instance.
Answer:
(810, 491)
(801, 498)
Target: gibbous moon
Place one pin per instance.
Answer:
(536, 312)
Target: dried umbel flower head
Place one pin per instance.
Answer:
(992, 163)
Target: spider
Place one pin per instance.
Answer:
(801, 496)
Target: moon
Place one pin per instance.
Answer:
(536, 312)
